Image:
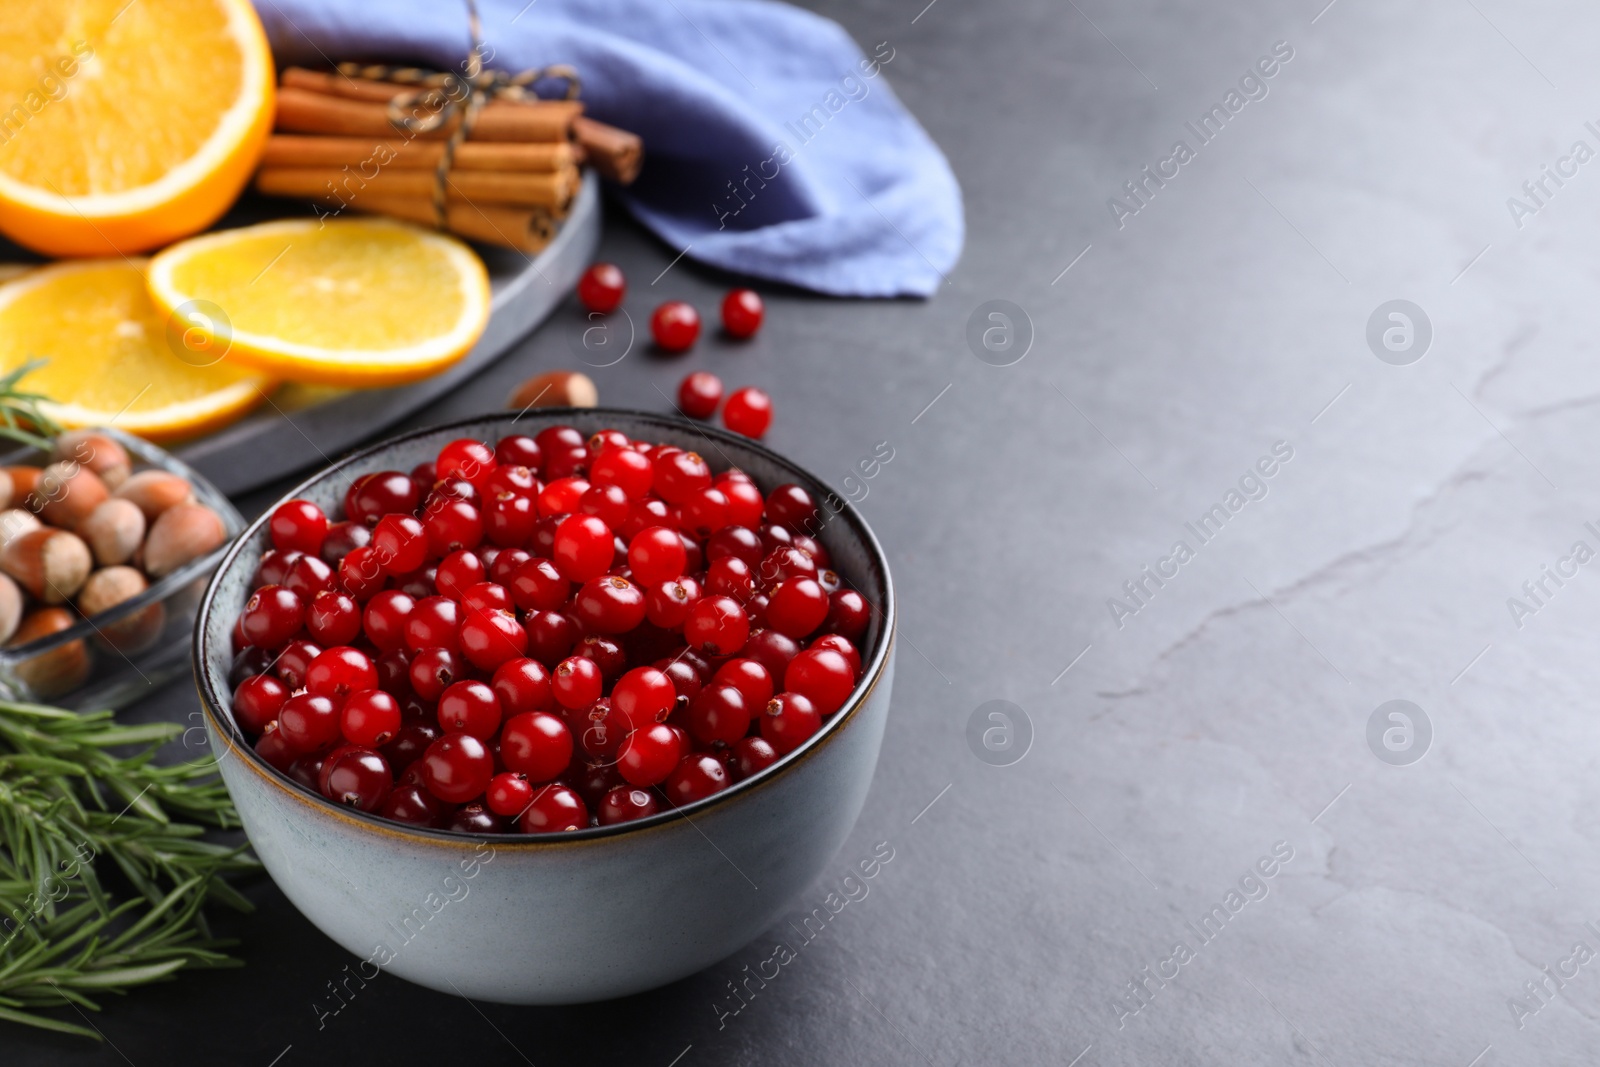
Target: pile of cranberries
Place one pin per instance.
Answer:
(548, 634)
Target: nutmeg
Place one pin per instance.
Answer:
(110, 586)
(555, 389)
(50, 564)
(14, 522)
(96, 451)
(181, 533)
(10, 608)
(61, 669)
(155, 491)
(67, 492)
(114, 531)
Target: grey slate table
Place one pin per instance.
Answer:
(1106, 899)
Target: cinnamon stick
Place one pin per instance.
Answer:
(616, 154)
(525, 229)
(367, 155)
(306, 111)
(553, 191)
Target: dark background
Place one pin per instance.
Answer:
(1230, 713)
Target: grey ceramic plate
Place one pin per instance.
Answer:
(272, 443)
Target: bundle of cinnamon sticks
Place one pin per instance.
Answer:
(510, 182)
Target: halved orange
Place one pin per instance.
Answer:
(112, 358)
(125, 124)
(343, 302)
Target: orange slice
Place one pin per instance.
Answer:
(344, 302)
(113, 358)
(125, 124)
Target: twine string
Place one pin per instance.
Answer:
(446, 93)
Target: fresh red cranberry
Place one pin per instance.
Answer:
(515, 479)
(696, 777)
(491, 637)
(610, 605)
(784, 563)
(401, 543)
(433, 670)
(551, 635)
(369, 718)
(276, 750)
(333, 619)
(458, 489)
(418, 583)
(373, 496)
(815, 549)
(410, 742)
(844, 647)
(791, 507)
(484, 596)
(292, 662)
(338, 672)
(554, 439)
(583, 548)
(394, 673)
(753, 680)
(625, 468)
(299, 526)
(742, 312)
(608, 503)
(740, 542)
(256, 702)
(509, 792)
(752, 755)
(601, 440)
(719, 713)
(412, 804)
(466, 458)
(342, 538)
(602, 287)
(600, 729)
(731, 576)
(745, 503)
(452, 525)
(823, 675)
(704, 512)
(625, 804)
(457, 768)
(797, 607)
(518, 450)
(716, 625)
(699, 394)
(554, 808)
(576, 682)
(272, 615)
(506, 564)
(562, 496)
(308, 577)
(789, 720)
(273, 568)
(508, 519)
(675, 325)
(748, 411)
(645, 514)
(248, 662)
(522, 685)
(678, 474)
(308, 722)
(469, 707)
(772, 650)
(361, 573)
(685, 679)
(434, 622)
(667, 604)
(656, 555)
(538, 586)
(643, 696)
(648, 755)
(457, 572)
(384, 619)
(536, 744)
(606, 653)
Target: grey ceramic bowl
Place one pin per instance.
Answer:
(581, 916)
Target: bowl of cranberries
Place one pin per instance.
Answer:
(551, 707)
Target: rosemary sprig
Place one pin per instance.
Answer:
(21, 417)
(73, 811)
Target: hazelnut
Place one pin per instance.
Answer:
(155, 491)
(555, 389)
(182, 533)
(5, 488)
(10, 608)
(15, 522)
(114, 531)
(110, 586)
(67, 492)
(97, 452)
(60, 670)
(50, 564)
(22, 479)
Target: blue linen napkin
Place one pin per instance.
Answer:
(774, 146)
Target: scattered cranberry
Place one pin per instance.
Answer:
(602, 287)
(742, 313)
(699, 394)
(675, 326)
(748, 411)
